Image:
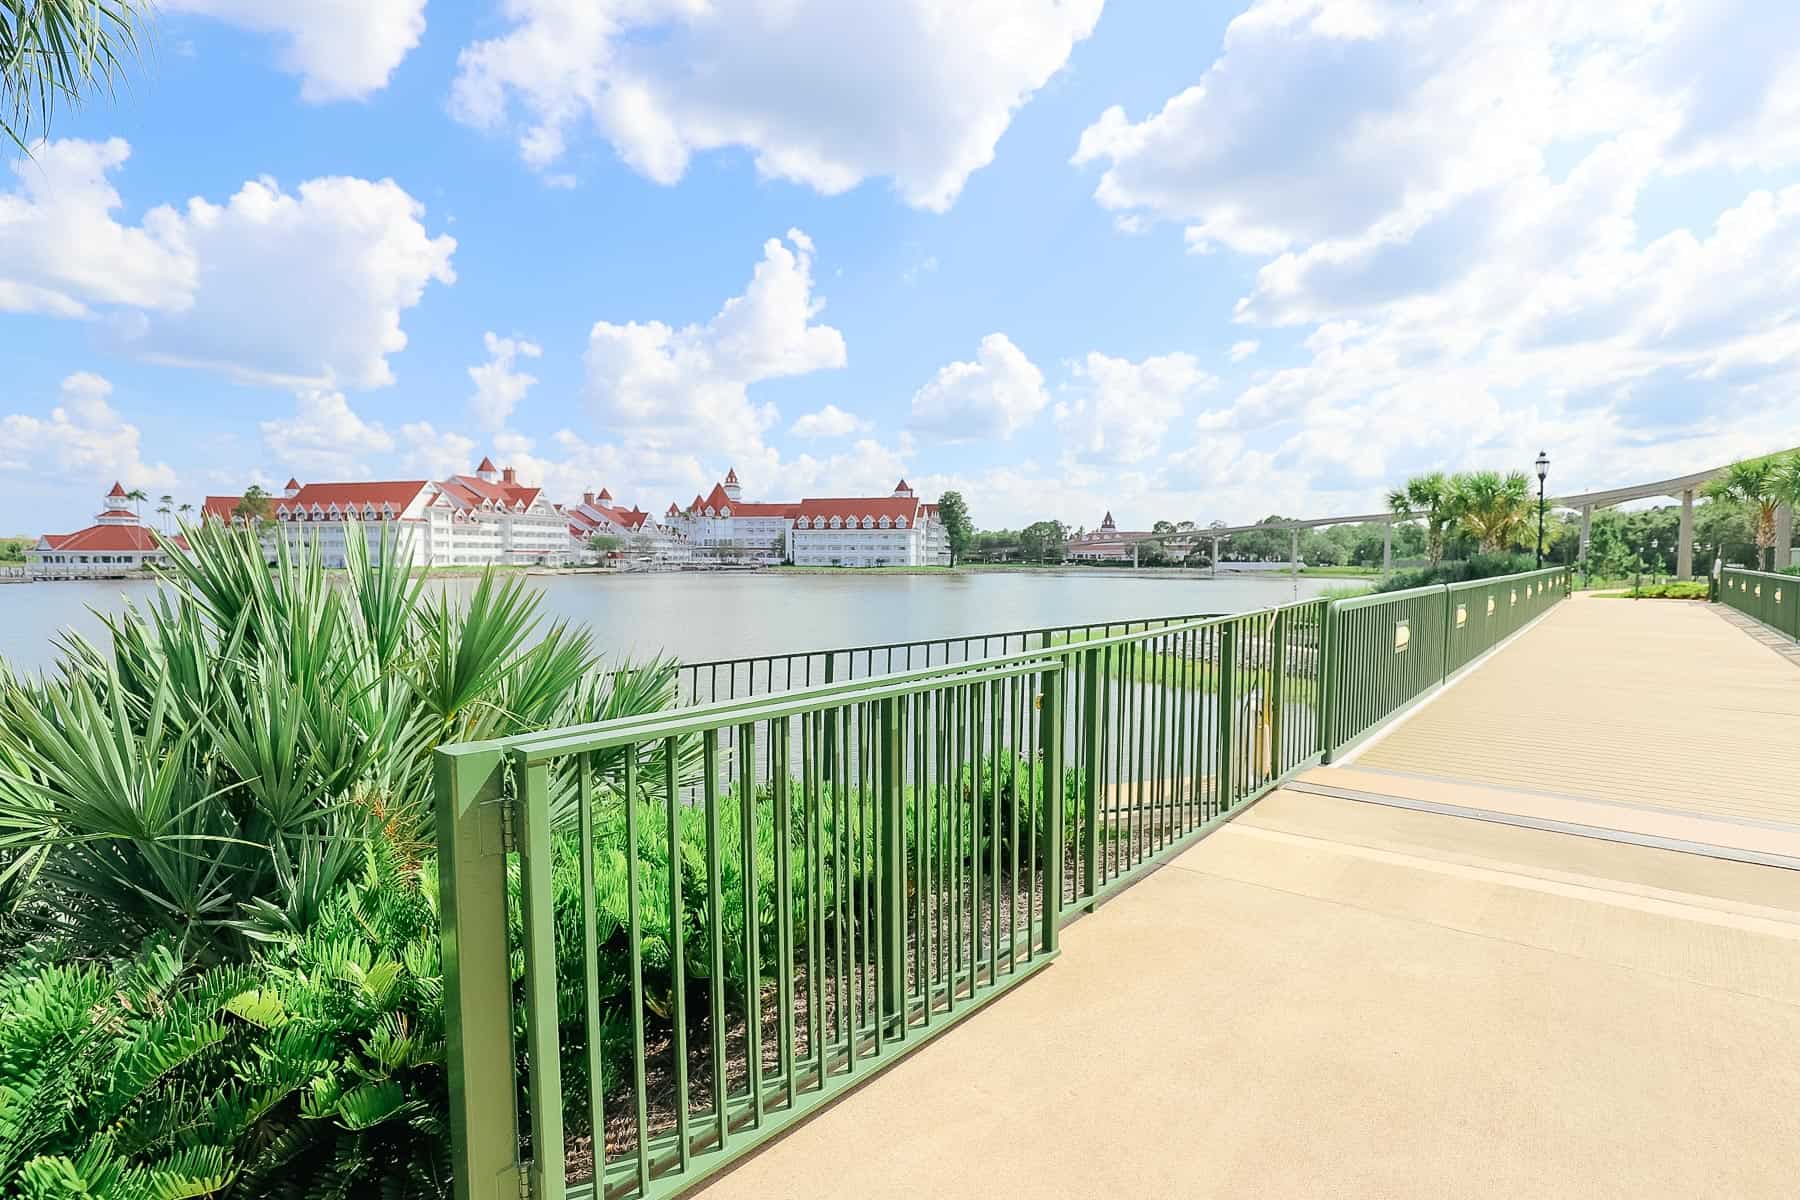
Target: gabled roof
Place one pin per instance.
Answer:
(731, 475)
(118, 492)
(397, 493)
(106, 539)
(487, 464)
(858, 507)
(472, 491)
(902, 486)
(219, 507)
(605, 496)
(292, 485)
(717, 499)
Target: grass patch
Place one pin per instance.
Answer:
(1691, 589)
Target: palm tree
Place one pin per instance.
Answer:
(1428, 497)
(253, 507)
(164, 510)
(184, 510)
(1492, 508)
(1762, 485)
(55, 52)
(137, 496)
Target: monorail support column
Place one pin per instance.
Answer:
(1784, 537)
(1387, 550)
(1294, 553)
(1684, 544)
(1587, 534)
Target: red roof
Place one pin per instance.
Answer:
(219, 507)
(901, 487)
(731, 475)
(605, 495)
(106, 539)
(847, 508)
(673, 511)
(487, 464)
(740, 508)
(397, 493)
(473, 491)
(292, 485)
(118, 492)
(118, 512)
(716, 499)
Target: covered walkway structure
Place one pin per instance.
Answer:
(1539, 937)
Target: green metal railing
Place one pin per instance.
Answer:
(1768, 597)
(858, 865)
(762, 674)
(669, 937)
(1390, 648)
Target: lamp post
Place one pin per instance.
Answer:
(1543, 469)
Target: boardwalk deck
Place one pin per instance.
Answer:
(1346, 999)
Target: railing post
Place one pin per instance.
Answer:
(1222, 783)
(830, 737)
(538, 916)
(1050, 721)
(1277, 678)
(892, 874)
(1097, 699)
(478, 1052)
(1325, 703)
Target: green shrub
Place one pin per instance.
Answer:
(1690, 589)
(1463, 570)
(211, 776)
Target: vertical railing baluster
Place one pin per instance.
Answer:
(544, 1085)
(677, 961)
(752, 891)
(784, 910)
(590, 954)
(715, 933)
(634, 935)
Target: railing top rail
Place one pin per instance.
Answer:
(723, 713)
(680, 722)
(1355, 602)
(1754, 571)
(1374, 598)
(933, 641)
(1492, 580)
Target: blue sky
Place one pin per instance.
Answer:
(1176, 260)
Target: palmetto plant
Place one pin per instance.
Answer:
(53, 52)
(1428, 497)
(1492, 508)
(1762, 485)
(213, 775)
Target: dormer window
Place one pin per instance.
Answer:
(899, 522)
(885, 523)
(318, 511)
(368, 512)
(837, 523)
(868, 522)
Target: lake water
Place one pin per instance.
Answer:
(697, 617)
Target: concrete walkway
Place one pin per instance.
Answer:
(1336, 998)
(1652, 703)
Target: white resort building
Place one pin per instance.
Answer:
(639, 537)
(116, 543)
(869, 531)
(465, 520)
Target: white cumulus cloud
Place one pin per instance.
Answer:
(302, 289)
(997, 395)
(498, 385)
(83, 436)
(829, 422)
(821, 92)
(664, 388)
(325, 437)
(341, 49)
(1123, 409)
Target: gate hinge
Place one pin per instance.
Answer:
(509, 843)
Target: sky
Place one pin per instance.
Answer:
(1174, 260)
